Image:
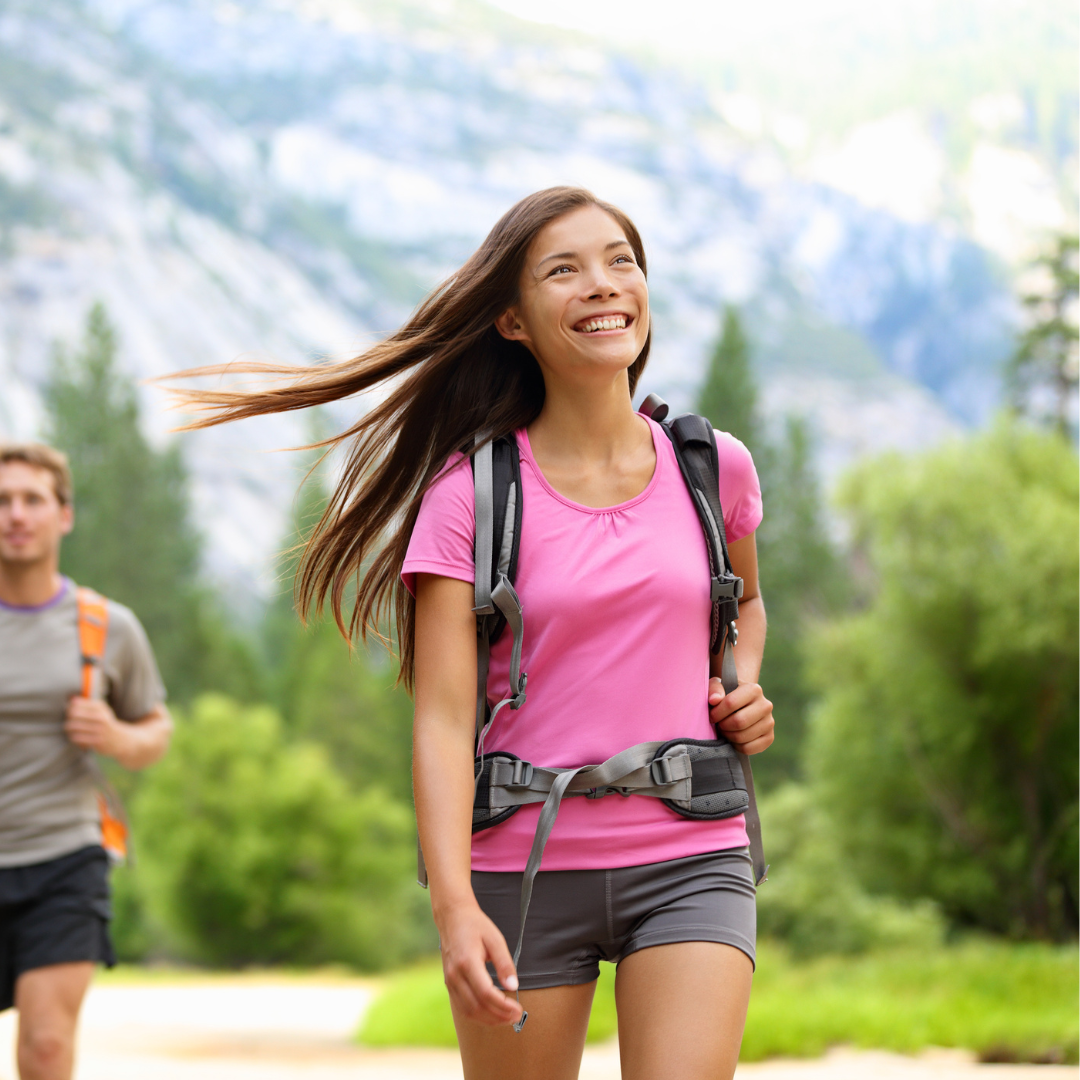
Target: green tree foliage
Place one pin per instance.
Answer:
(133, 538)
(801, 577)
(1042, 374)
(728, 397)
(945, 746)
(343, 697)
(252, 849)
(813, 903)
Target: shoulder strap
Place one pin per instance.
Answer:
(694, 442)
(93, 618)
(497, 493)
(93, 632)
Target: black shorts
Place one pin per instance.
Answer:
(579, 917)
(55, 912)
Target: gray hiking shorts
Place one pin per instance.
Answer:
(579, 917)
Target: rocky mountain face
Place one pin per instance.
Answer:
(286, 179)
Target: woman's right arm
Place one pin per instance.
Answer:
(443, 733)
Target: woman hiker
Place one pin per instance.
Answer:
(542, 337)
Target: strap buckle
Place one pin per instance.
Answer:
(521, 776)
(727, 587)
(519, 698)
(660, 768)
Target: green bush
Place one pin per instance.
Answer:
(945, 745)
(1005, 1002)
(813, 902)
(251, 849)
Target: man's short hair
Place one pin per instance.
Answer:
(42, 457)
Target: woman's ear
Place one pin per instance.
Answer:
(509, 325)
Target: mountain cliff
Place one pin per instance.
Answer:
(287, 179)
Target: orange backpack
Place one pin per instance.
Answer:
(93, 632)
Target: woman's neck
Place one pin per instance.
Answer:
(596, 423)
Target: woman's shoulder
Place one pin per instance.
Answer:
(733, 454)
(740, 488)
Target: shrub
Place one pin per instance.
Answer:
(252, 850)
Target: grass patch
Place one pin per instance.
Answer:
(1004, 1002)
(414, 1010)
(184, 975)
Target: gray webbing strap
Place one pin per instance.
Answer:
(630, 772)
(730, 679)
(548, 813)
(483, 485)
(618, 768)
(505, 598)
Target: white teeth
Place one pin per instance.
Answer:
(616, 322)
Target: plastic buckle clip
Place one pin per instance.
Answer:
(522, 775)
(519, 698)
(661, 772)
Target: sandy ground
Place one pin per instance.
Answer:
(300, 1030)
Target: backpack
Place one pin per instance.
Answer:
(93, 618)
(701, 779)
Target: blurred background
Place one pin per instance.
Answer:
(860, 222)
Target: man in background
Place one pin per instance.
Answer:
(54, 884)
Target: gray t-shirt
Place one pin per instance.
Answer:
(47, 803)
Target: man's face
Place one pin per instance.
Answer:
(32, 518)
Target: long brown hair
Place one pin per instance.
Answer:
(465, 380)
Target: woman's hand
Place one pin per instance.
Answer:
(745, 715)
(469, 939)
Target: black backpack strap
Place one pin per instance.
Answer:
(498, 529)
(497, 492)
(694, 442)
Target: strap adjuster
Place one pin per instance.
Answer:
(519, 698)
(661, 772)
(521, 776)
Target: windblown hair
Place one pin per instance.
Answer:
(459, 378)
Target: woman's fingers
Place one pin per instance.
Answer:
(745, 716)
(499, 955)
(470, 985)
(716, 691)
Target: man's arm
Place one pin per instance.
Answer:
(93, 725)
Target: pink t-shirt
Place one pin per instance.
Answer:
(616, 646)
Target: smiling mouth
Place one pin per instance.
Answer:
(599, 323)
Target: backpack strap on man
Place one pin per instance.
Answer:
(93, 633)
(694, 441)
(93, 616)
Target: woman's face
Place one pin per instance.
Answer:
(583, 305)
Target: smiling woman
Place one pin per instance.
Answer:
(532, 351)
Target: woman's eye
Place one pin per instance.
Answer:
(562, 269)
(624, 259)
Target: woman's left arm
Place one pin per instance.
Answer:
(745, 715)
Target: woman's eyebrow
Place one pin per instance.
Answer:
(574, 254)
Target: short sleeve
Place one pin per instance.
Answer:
(442, 538)
(134, 684)
(740, 489)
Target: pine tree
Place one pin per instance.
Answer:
(800, 575)
(343, 698)
(1042, 373)
(802, 580)
(729, 396)
(134, 539)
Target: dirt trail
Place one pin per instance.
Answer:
(300, 1030)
